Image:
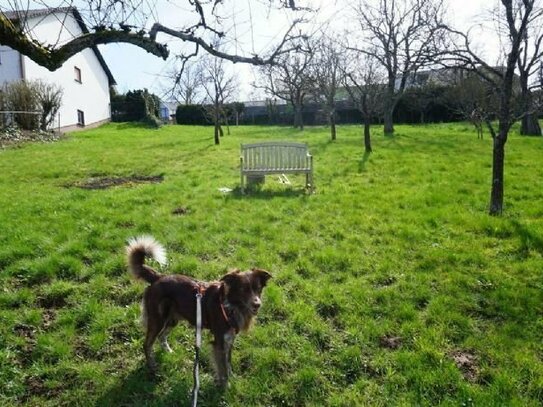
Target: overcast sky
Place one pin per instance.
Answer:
(133, 68)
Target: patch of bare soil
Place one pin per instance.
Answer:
(384, 282)
(27, 332)
(35, 386)
(108, 182)
(182, 210)
(49, 317)
(52, 301)
(390, 342)
(467, 363)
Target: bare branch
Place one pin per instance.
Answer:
(404, 37)
(53, 58)
(288, 78)
(104, 16)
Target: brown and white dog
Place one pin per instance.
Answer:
(228, 305)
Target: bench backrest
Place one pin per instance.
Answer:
(274, 156)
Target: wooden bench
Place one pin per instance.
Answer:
(276, 157)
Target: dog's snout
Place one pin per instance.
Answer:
(257, 302)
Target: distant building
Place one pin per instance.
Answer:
(449, 76)
(84, 78)
(167, 111)
(437, 77)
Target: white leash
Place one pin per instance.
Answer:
(196, 372)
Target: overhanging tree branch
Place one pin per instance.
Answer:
(200, 42)
(53, 58)
(112, 21)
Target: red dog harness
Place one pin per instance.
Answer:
(201, 289)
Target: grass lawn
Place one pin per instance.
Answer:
(392, 285)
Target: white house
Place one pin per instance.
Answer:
(167, 110)
(84, 78)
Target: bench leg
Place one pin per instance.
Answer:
(242, 185)
(309, 182)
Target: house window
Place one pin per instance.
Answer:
(77, 74)
(80, 118)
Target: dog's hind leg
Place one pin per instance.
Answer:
(168, 322)
(153, 330)
(154, 326)
(163, 336)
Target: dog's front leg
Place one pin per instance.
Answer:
(229, 338)
(221, 357)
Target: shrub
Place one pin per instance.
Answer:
(22, 96)
(190, 114)
(136, 106)
(38, 101)
(49, 99)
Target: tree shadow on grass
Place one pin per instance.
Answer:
(362, 163)
(393, 141)
(130, 125)
(529, 240)
(317, 148)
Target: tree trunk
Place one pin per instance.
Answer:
(367, 139)
(388, 121)
(530, 125)
(333, 126)
(43, 122)
(227, 126)
(298, 119)
(217, 133)
(498, 158)
(217, 123)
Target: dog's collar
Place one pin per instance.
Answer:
(201, 289)
(223, 310)
(226, 319)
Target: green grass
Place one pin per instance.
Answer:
(396, 244)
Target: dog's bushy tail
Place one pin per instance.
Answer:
(137, 250)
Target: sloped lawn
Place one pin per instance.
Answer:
(392, 286)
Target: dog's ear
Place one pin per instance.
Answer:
(263, 275)
(230, 278)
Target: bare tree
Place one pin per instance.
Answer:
(328, 71)
(289, 79)
(128, 21)
(512, 18)
(421, 99)
(184, 83)
(364, 83)
(237, 109)
(472, 99)
(219, 86)
(403, 36)
(529, 64)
